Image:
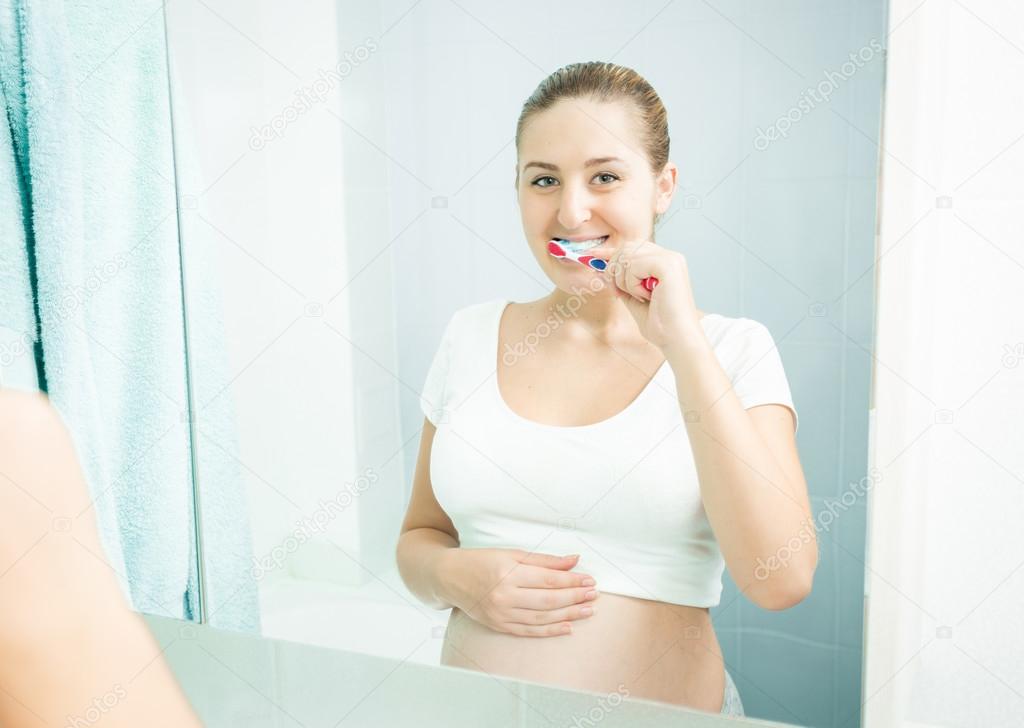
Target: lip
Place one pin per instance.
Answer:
(578, 238)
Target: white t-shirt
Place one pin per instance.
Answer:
(623, 493)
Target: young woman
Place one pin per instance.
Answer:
(651, 442)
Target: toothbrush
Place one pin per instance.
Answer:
(566, 249)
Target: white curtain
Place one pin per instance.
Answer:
(943, 633)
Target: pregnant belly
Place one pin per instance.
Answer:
(636, 647)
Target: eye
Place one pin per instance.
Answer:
(601, 175)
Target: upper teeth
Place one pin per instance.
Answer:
(585, 243)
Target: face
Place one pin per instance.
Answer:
(583, 174)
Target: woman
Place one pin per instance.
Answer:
(651, 441)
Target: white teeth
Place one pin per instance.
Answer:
(585, 244)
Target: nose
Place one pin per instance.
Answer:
(574, 206)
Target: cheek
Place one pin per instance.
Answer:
(536, 213)
(626, 213)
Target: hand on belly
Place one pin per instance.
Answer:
(517, 592)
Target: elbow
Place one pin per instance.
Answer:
(784, 599)
(784, 593)
(776, 589)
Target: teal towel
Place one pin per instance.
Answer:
(85, 88)
(50, 216)
(17, 319)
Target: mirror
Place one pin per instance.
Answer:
(351, 219)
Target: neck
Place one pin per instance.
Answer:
(592, 316)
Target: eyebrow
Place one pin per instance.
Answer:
(589, 163)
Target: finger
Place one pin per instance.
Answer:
(629, 282)
(544, 599)
(543, 578)
(641, 266)
(636, 284)
(606, 252)
(544, 630)
(537, 617)
(549, 561)
(621, 263)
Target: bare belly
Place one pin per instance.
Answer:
(636, 647)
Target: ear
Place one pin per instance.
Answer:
(665, 187)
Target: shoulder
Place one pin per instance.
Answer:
(735, 330)
(741, 343)
(22, 410)
(470, 324)
(476, 317)
(28, 418)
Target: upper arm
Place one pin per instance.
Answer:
(424, 511)
(775, 424)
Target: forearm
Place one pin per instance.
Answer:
(423, 556)
(752, 507)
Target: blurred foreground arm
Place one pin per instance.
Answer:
(72, 652)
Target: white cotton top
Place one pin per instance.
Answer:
(623, 493)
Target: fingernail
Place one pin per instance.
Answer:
(591, 594)
(586, 611)
(588, 582)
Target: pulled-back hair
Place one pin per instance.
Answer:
(602, 81)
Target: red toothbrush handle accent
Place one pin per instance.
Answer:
(649, 283)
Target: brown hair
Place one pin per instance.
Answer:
(602, 81)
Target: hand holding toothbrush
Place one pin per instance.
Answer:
(652, 281)
(565, 249)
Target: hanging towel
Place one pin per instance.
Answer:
(48, 208)
(18, 334)
(85, 88)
